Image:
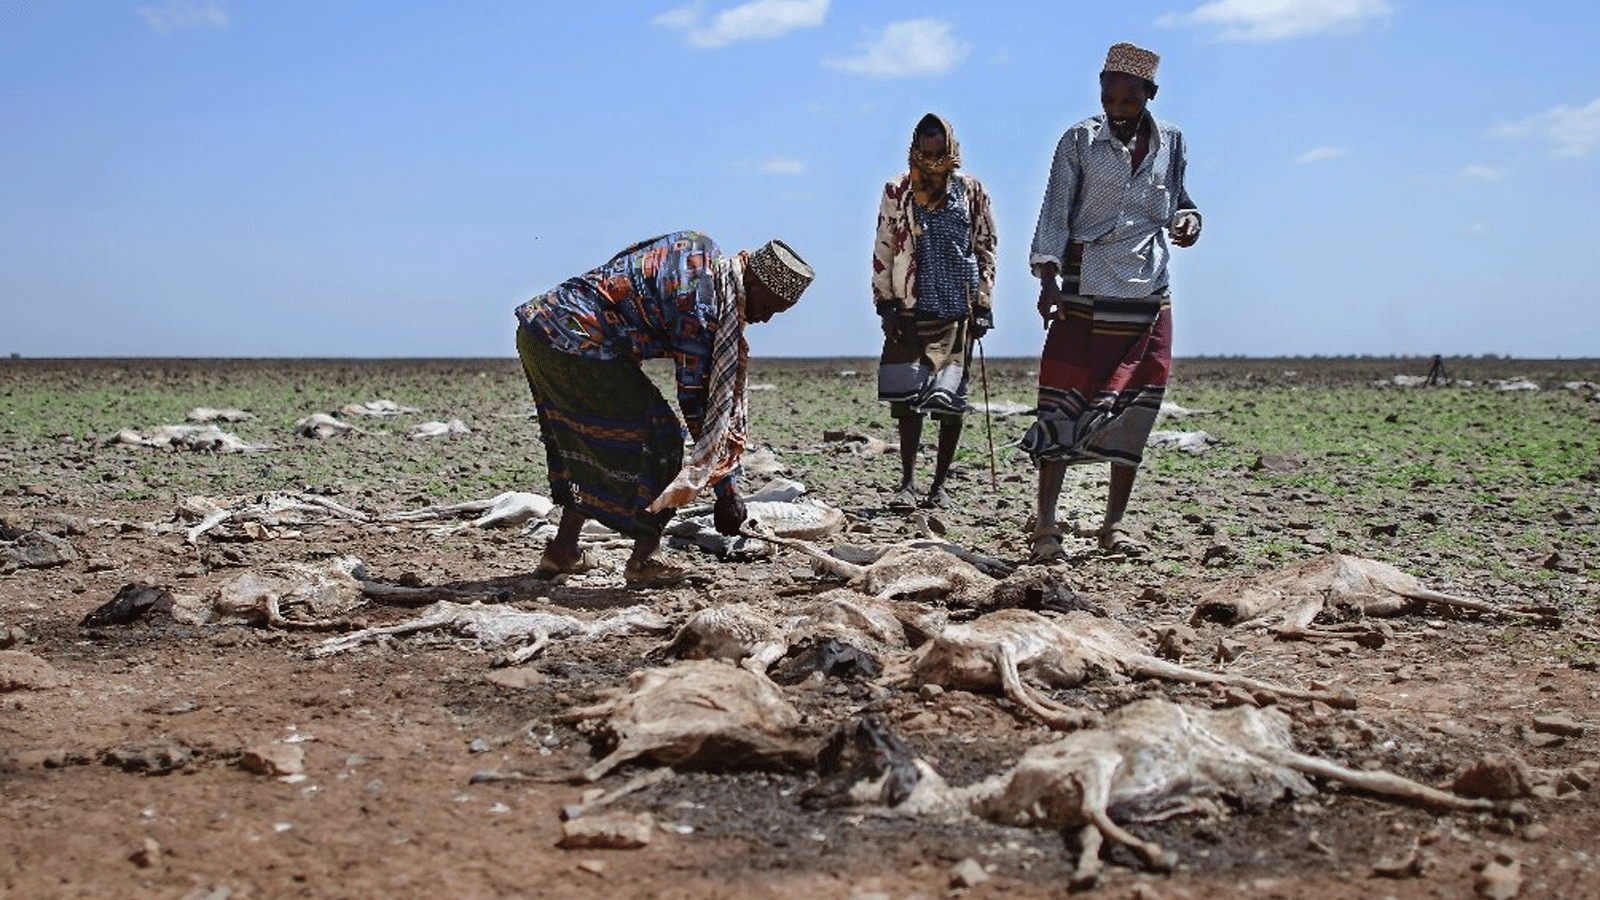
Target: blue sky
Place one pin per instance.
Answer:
(362, 179)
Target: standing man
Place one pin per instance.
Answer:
(612, 443)
(1116, 197)
(932, 283)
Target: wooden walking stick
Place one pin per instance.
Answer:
(988, 429)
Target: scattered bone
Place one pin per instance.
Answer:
(321, 426)
(205, 414)
(282, 595)
(1287, 600)
(1195, 442)
(495, 625)
(270, 510)
(507, 510)
(205, 438)
(381, 408)
(439, 429)
(1155, 759)
(611, 831)
(1515, 384)
(997, 651)
(699, 715)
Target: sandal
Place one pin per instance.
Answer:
(904, 500)
(587, 561)
(1116, 542)
(653, 573)
(936, 499)
(1047, 549)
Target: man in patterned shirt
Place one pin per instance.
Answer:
(932, 280)
(1116, 197)
(612, 444)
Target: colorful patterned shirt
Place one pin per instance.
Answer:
(651, 301)
(1119, 215)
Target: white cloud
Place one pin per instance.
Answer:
(1573, 133)
(1321, 154)
(1278, 20)
(758, 20)
(906, 50)
(784, 165)
(1480, 172)
(1478, 228)
(174, 14)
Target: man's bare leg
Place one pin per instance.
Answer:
(949, 440)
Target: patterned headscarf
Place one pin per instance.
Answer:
(722, 430)
(930, 174)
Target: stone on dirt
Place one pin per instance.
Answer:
(607, 831)
(36, 550)
(1557, 723)
(1500, 879)
(1496, 776)
(274, 759)
(22, 671)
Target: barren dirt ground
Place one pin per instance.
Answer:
(137, 760)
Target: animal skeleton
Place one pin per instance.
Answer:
(699, 714)
(906, 571)
(377, 408)
(997, 650)
(321, 426)
(494, 625)
(754, 638)
(271, 509)
(439, 429)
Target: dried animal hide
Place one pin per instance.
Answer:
(1287, 600)
(699, 715)
(282, 595)
(494, 625)
(205, 415)
(1017, 652)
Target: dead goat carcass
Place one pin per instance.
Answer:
(1154, 759)
(1011, 649)
(282, 595)
(1149, 761)
(493, 626)
(1289, 599)
(507, 510)
(205, 438)
(699, 714)
(754, 637)
(929, 571)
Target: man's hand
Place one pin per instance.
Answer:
(891, 326)
(728, 515)
(1052, 303)
(982, 323)
(1185, 228)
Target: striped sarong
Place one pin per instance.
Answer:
(926, 372)
(1102, 375)
(611, 441)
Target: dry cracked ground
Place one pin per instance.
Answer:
(153, 754)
